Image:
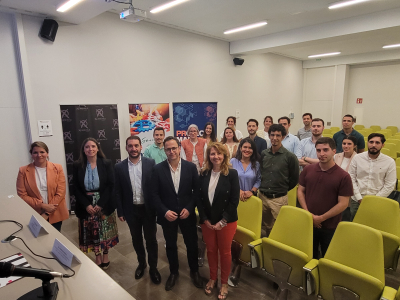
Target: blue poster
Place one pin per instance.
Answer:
(199, 113)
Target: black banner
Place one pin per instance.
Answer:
(82, 121)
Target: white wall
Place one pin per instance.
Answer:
(379, 86)
(14, 151)
(108, 61)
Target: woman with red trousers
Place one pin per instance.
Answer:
(218, 201)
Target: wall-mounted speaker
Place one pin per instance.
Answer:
(238, 61)
(49, 29)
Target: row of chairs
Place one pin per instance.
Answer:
(353, 266)
(376, 128)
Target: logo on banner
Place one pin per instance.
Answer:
(81, 107)
(115, 124)
(101, 134)
(116, 144)
(69, 157)
(99, 114)
(70, 177)
(118, 160)
(84, 125)
(68, 137)
(65, 115)
(72, 199)
(114, 106)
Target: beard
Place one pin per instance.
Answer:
(373, 151)
(133, 155)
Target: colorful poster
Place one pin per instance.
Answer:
(199, 113)
(143, 118)
(82, 121)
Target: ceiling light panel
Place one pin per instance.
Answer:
(246, 27)
(68, 5)
(346, 3)
(391, 46)
(166, 6)
(324, 54)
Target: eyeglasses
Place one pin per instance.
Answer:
(173, 149)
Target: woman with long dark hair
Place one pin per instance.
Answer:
(93, 186)
(209, 133)
(217, 206)
(248, 168)
(230, 141)
(231, 122)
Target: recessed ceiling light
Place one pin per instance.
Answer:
(166, 6)
(68, 5)
(391, 46)
(325, 54)
(346, 3)
(251, 26)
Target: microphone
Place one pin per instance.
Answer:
(8, 269)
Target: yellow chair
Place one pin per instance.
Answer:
(352, 267)
(382, 214)
(292, 196)
(326, 131)
(387, 132)
(392, 149)
(396, 141)
(386, 151)
(334, 129)
(398, 162)
(248, 230)
(368, 131)
(287, 250)
(359, 127)
(398, 175)
(375, 128)
(363, 132)
(394, 129)
(398, 294)
(327, 135)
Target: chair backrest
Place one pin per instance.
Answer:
(379, 213)
(368, 131)
(327, 135)
(375, 127)
(392, 148)
(294, 227)
(250, 215)
(334, 129)
(359, 127)
(398, 162)
(292, 196)
(386, 151)
(394, 129)
(363, 132)
(359, 247)
(326, 130)
(398, 172)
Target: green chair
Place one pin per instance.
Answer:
(363, 132)
(394, 129)
(398, 176)
(326, 131)
(368, 131)
(352, 267)
(335, 129)
(287, 250)
(398, 161)
(388, 132)
(392, 148)
(248, 230)
(383, 214)
(386, 151)
(375, 128)
(359, 127)
(292, 196)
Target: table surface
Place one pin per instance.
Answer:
(89, 282)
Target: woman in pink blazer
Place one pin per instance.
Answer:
(41, 184)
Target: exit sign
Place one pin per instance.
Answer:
(359, 100)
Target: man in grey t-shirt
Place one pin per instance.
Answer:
(306, 131)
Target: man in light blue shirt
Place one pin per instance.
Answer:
(306, 152)
(156, 150)
(290, 141)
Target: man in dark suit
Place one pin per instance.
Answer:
(175, 186)
(132, 194)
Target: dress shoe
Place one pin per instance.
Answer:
(140, 271)
(197, 280)
(155, 276)
(171, 281)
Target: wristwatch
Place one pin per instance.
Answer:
(254, 192)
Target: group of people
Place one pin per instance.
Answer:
(172, 178)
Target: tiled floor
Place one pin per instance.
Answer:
(253, 284)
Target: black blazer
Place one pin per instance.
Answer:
(106, 177)
(226, 198)
(123, 188)
(164, 196)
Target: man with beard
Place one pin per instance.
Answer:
(252, 127)
(132, 194)
(372, 172)
(348, 130)
(306, 131)
(305, 151)
(290, 141)
(324, 190)
(156, 150)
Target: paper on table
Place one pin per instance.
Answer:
(63, 254)
(36, 227)
(18, 260)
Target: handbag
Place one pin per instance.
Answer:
(395, 195)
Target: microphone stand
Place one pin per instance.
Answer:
(48, 291)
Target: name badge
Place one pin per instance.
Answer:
(63, 254)
(35, 227)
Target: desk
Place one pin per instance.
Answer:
(89, 282)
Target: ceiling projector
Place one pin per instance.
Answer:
(133, 14)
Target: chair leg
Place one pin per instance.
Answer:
(281, 294)
(234, 277)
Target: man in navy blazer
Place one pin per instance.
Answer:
(132, 194)
(175, 186)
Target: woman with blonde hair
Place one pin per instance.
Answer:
(217, 206)
(41, 184)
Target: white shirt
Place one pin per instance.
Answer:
(345, 163)
(238, 134)
(176, 175)
(135, 175)
(372, 176)
(41, 182)
(213, 185)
